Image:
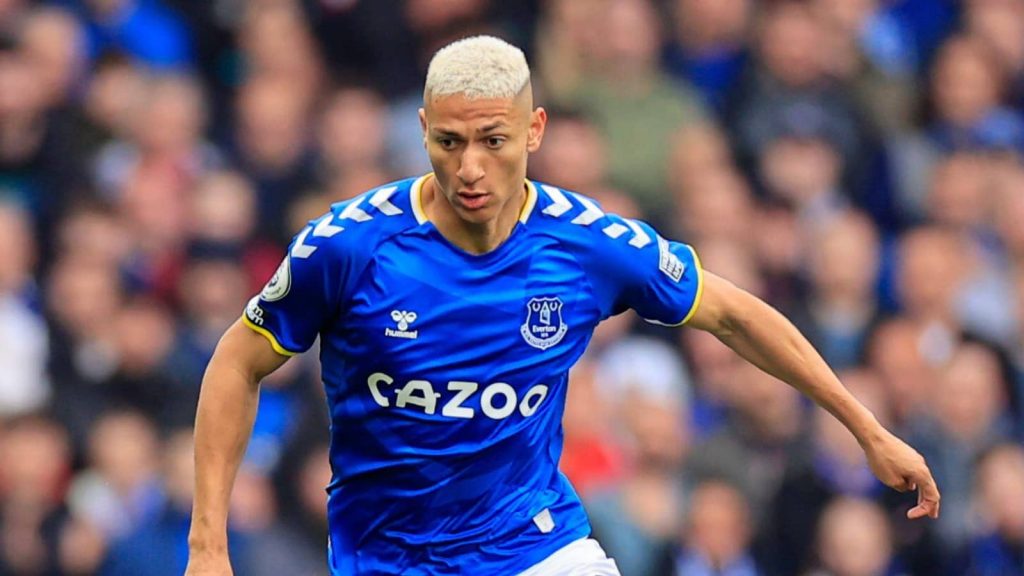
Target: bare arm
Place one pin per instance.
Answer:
(227, 408)
(764, 337)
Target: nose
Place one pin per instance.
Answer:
(471, 169)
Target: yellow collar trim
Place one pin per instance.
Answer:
(531, 201)
(416, 199)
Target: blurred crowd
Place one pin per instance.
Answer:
(857, 163)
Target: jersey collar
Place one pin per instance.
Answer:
(415, 198)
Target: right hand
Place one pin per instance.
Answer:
(900, 467)
(208, 564)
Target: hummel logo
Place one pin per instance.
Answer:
(403, 318)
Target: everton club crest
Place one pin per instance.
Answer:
(544, 326)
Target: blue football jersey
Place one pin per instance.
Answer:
(446, 372)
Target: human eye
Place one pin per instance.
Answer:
(495, 142)
(447, 143)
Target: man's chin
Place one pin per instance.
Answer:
(476, 216)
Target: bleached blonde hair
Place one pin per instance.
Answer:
(477, 67)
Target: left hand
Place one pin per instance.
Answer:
(901, 468)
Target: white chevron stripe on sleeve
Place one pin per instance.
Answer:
(588, 216)
(301, 250)
(615, 230)
(380, 201)
(354, 212)
(640, 238)
(560, 204)
(324, 228)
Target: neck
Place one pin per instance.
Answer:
(473, 237)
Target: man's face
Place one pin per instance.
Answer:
(478, 148)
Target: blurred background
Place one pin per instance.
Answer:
(857, 163)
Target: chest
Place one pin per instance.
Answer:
(423, 311)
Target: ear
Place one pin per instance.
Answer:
(538, 120)
(423, 125)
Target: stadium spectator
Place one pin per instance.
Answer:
(962, 200)
(871, 52)
(714, 376)
(800, 166)
(166, 136)
(567, 37)
(764, 432)
(81, 298)
(33, 481)
(843, 264)
(351, 133)
(717, 535)
(907, 360)
(708, 46)
(968, 84)
(37, 166)
(272, 147)
(697, 150)
(223, 217)
(276, 42)
(855, 539)
(270, 549)
(574, 151)
(637, 517)
(592, 456)
(24, 345)
(1008, 209)
(833, 467)
(998, 542)
(931, 274)
(147, 30)
(110, 104)
(120, 490)
(1001, 25)
(212, 287)
(158, 548)
(637, 106)
(789, 82)
(94, 233)
(717, 206)
(52, 41)
(967, 414)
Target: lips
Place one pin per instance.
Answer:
(473, 200)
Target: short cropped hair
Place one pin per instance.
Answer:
(477, 67)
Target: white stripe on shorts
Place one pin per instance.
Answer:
(584, 557)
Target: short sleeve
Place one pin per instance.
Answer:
(660, 279)
(304, 294)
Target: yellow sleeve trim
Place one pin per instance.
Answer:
(700, 287)
(696, 299)
(270, 337)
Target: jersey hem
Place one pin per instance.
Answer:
(269, 336)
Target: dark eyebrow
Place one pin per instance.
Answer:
(446, 133)
(492, 126)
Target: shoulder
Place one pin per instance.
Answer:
(580, 223)
(358, 225)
